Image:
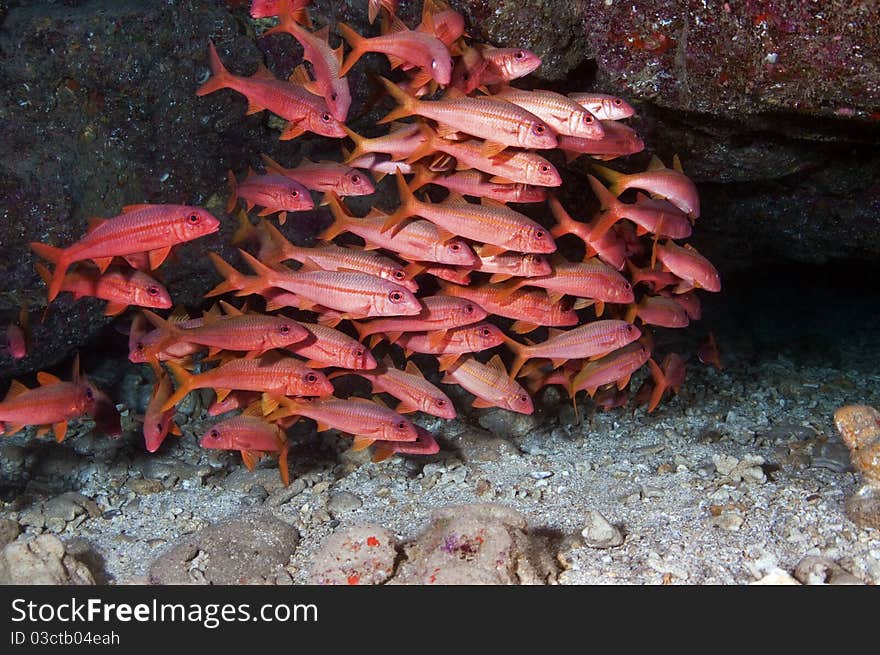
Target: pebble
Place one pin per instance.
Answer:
(727, 521)
(599, 533)
(9, 530)
(69, 505)
(355, 555)
(776, 577)
(320, 487)
(145, 486)
(832, 455)
(343, 501)
(541, 475)
(505, 423)
(812, 570)
(283, 495)
(481, 446)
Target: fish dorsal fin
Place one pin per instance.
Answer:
(396, 25)
(452, 93)
(250, 459)
(554, 332)
(47, 379)
(455, 197)
(300, 75)
(428, 10)
(94, 223)
(489, 202)
(323, 33)
(15, 389)
(133, 208)
(230, 310)
(380, 402)
(263, 72)
(180, 314)
(676, 164)
(413, 369)
(496, 364)
(656, 164)
(254, 409)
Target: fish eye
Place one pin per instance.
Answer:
(440, 402)
(401, 425)
(326, 117)
(538, 129)
(455, 247)
(627, 286)
(588, 119)
(89, 394)
(159, 427)
(140, 346)
(629, 328)
(618, 101)
(485, 332)
(544, 168)
(356, 178)
(399, 275)
(311, 378)
(214, 434)
(359, 352)
(524, 398)
(284, 329)
(334, 96)
(395, 296)
(539, 234)
(519, 54)
(193, 219)
(294, 193)
(153, 290)
(469, 308)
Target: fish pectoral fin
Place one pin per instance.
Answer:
(406, 408)
(436, 337)
(250, 458)
(491, 148)
(291, 131)
(599, 306)
(490, 250)
(361, 443)
(16, 389)
(395, 62)
(60, 431)
(114, 308)
(623, 382)
(323, 427)
(445, 361)
(157, 256)
(253, 108)
(500, 179)
(103, 263)
(12, 429)
(524, 327)
(499, 277)
(222, 394)
(480, 403)
(94, 223)
(47, 379)
(558, 362)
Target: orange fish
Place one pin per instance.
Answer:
(325, 176)
(591, 340)
(500, 123)
(402, 46)
(285, 377)
(446, 272)
(562, 114)
(400, 143)
(253, 436)
(441, 21)
(492, 223)
(118, 287)
(610, 248)
(304, 111)
(468, 70)
(425, 444)
(709, 354)
(276, 193)
(367, 421)
(669, 183)
(506, 265)
(140, 228)
(375, 5)
(604, 106)
(159, 422)
(235, 400)
(328, 347)
(610, 398)
(616, 367)
(475, 183)
(669, 376)
(438, 314)
(417, 240)
(660, 311)
(410, 387)
(490, 384)
(52, 403)
(472, 338)
(141, 341)
(506, 64)
(686, 263)
(325, 62)
(529, 308)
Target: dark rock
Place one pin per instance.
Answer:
(243, 550)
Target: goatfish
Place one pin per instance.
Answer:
(476, 183)
(270, 8)
(614, 368)
(118, 287)
(562, 114)
(325, 176)
(604, 106)
(589, 341)
(472, 338)
(374, 6)
(425, 444)
(416, 240)
(253, 436)
(326, 346)
(506, 265)
(159, 422)
(660, 311)
(669, 183)
(325, 61)
(303, 110)
(285, 376)
(669, 376)
(273, 192)
(399, 143)
(490, 384)
(618, 140)
(438, 314)
(610, 248)
(506, 64)
(500, 123)
(690, 266)
(366, 420)
(140, 228)
(409, 386)
(492, 223)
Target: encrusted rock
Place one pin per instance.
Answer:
(9, 530)
(598, 532)
(41, 561)
(356, 555)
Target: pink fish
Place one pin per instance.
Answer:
(690, 302)
(475, 183)
(374, 6)
(618, 140)
(325, 176)
(659, 310)
(604, 106)
(158, 423)
(669, 183)
(235, 400)
(326, 346)
(616, 367)
(457, 341)
(490, 384)
(659, 217)
(562, 114)
(686, 263)
(400, 143)
(506, 265)
(506, 64)
(253, 436)
(668, 377)
(276, 193)
(437, 315)
(609, 247)
(425, 444)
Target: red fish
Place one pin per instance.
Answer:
(691, 304)
(475, 183)
(410, 387)
(325, 62)
(400, 143)
(604, 106)
(285, 377)
(591, 340)
(669, 183)
(659, 310)
(529, 308)
(52, 403)
(140, 228)
(506, 64)
(468, 70)
(454, 274)
(375, 5)
(269, 8)
(610, 398)
(417, 240)
(618, 140)
(253, 436)
(118, 287)
(610, 247)
(709, 354)
(276, 193)
(141, 341)
(326, 176)
(425, 444)
(616, 367)
(438, 314)
(686, 263)
(506, 265)
(402, 46)
(158, 422)
(563, 115)
(17, 335)
(500, 123)
(235, 400)
(304, 111)
(367, 421)
(491, 223)
(457, 341)
(328, 347)
(651, 277)
(490, 384)
(441, 21)
(669, 376)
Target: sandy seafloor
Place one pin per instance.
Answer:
(743, 472)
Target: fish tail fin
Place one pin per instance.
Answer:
(357, 43)
(245, 230)
(184, 384)
(363, 329)
(360, 144)
(291, 19)
(233, 280)
(617, 179)
(660, 385)
(632, 311)
(565, 224)
(422, 177)
(341, 218)
(168, 332)
(220, 77)
(262, 281)
(45, 273)
(520, 355)
(283, 465)
(609, 214)
(406, 103)
(56, 256)
(407, 204)
(271, 164)
(233, 191)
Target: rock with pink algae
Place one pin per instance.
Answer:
(472, 544)
(859, 427)
(355, 555)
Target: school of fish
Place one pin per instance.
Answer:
(460, 275)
